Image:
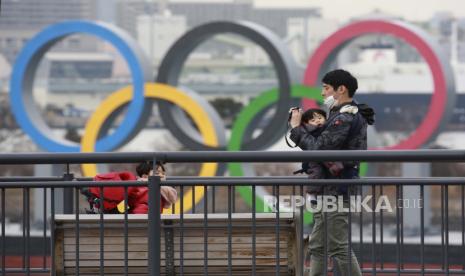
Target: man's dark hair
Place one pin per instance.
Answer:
(310, 113)
(340, 77)
(146, 167)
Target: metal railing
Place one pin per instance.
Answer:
(452, 260)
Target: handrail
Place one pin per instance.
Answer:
(236, 156)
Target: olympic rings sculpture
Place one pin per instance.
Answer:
(210, 132)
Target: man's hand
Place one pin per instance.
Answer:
(335, 168)
(296, 117)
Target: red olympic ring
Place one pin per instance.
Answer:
(333, 44)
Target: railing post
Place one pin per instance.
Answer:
(68, 197)
(154, 231)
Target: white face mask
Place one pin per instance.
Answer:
(329, 102)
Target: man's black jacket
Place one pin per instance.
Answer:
(343, 131)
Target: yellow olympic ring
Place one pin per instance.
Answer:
(156, 91)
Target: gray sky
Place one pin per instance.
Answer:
(412, 10)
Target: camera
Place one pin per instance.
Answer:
(290, 112)
(289, 126)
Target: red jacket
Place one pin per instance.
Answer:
(137, 196)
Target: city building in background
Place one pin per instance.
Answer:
(81, 70)
(20, 20)
(200, 12)
(157, 32)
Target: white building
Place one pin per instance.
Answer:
(4, 73)
(156, 33)
(304, 35)
(378, 71)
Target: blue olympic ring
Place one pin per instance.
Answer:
(22, 103)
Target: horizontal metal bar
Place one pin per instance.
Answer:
(327, 155)
(236, 156)
(71, 184)
(83, 179)
(245, 178)
(288, 178)
(29, 178)
(190, 177)
(366, 270)
(221, 259)
(413, 271)
(246, 181)
(222, 226)
(23, 270)
(174, 226)
(291, 181)
(74, 158)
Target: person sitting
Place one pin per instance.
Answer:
(168, 194)
(113, 197)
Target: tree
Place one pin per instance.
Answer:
(227, 108)
(72, 135)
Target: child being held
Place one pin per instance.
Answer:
(314, 121)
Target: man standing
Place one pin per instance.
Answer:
(345, 129)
